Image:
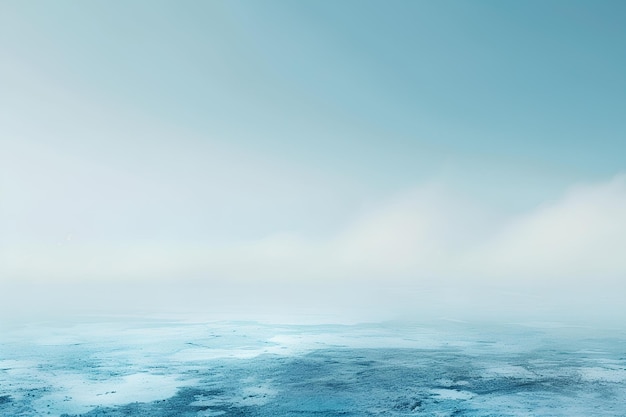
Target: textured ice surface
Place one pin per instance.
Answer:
(182, 368)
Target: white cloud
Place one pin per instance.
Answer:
(565, 252)
(579, 239)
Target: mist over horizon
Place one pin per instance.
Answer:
(422, 254)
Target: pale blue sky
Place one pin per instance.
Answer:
(352, 86)
(213, 126)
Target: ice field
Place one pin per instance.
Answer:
(140, 367)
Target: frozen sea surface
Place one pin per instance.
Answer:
(184, 368)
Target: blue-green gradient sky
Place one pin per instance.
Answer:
(387, 153)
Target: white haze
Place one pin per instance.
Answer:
(428, 250)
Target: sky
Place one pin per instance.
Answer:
(357, 160)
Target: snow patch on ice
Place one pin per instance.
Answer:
(452, 394)
(509, 371)
(597, 374)
(76, 394)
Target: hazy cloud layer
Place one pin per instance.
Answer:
(426, 240)
(422, 234)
